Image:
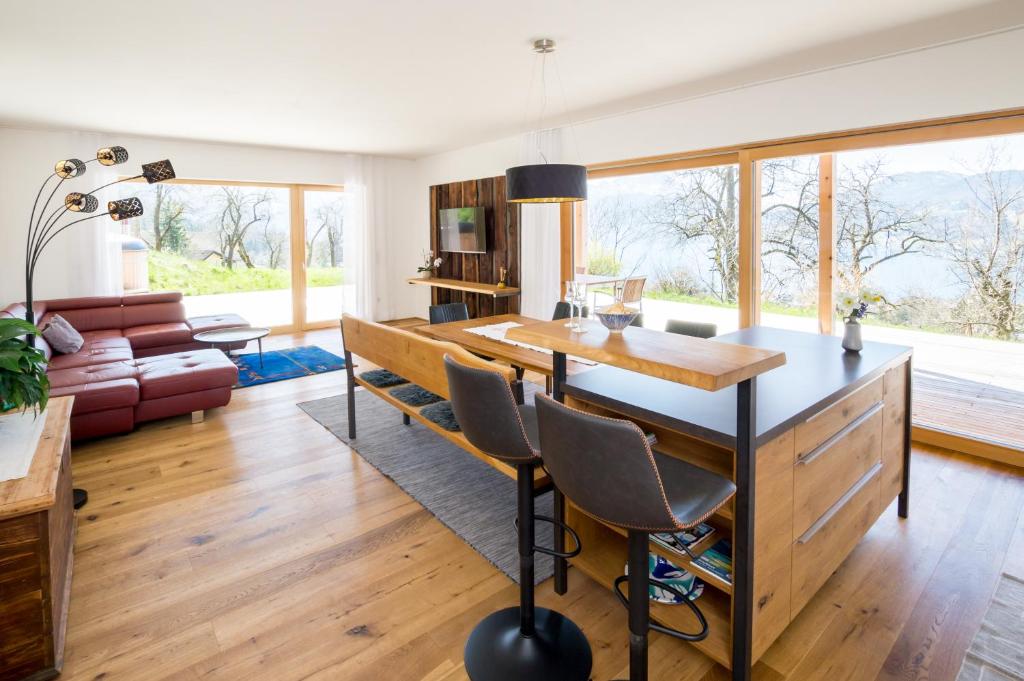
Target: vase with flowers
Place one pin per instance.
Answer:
(430, 265)
(853, 308)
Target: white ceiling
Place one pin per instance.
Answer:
(412, 77)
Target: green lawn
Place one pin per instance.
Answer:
(169, 272)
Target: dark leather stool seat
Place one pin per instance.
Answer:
(607, 468)
(524, 643)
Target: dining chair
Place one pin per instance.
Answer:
(633, 291)
(563, 310)
(687, 328)
(448, 312)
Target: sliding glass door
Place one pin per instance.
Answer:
(272, 253)
(327, 293)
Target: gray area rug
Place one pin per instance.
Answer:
(997, 652)
(470, 497)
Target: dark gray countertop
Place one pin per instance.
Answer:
(817, 372)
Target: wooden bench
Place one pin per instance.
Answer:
(420, 361)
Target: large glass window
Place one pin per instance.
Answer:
(789, 243)
(234, 247)
(679, 230)
(938, 230)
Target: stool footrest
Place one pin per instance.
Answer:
(654, 626)
(551, 552)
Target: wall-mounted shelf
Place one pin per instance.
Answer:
(470, 286)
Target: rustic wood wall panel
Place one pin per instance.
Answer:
(502, 222)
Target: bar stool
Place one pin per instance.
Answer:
(523, 643)
(607, 468)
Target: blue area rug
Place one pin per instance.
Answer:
(280, 365)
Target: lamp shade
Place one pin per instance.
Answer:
(112, 156)
(122, 209)
(69, 168)
(158, 171)
(546, 183)
(77, 202)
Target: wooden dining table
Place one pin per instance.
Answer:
(523, 359)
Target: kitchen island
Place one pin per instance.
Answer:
(818, 447)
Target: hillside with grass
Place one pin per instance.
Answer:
(170, 272)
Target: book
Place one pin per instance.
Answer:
(678, 541)
(717, 560)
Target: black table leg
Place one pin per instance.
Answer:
(743, 530)
(903, 506)
(557, 375)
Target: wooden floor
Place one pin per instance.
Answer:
(257, 546)
(970, 408)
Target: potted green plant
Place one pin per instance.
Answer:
(23, 381)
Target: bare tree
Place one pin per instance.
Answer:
(701, 207)
(789, 224)
(167, 220)
(871, 230)
(273, 242)
(328, 221)
(614, 224)
(239, 211)
(987, 247)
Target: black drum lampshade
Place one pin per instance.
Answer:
(123, 209)
(158, 171)
(69, 168)
(546, 183)
(76, 202)
(112, 156)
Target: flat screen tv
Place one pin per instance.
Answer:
(463, 230)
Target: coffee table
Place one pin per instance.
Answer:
(218, 338)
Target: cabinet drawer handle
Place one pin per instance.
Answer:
(838, 506)
(820, 449)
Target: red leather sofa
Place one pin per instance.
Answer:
(138, 362)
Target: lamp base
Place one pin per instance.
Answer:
(498, 651)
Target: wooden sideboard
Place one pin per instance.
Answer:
(37, 528)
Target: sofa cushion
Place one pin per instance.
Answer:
(147, 298)
(155, 335)
(101, 395)
(88, 318)
(216, 321)
(152, 313)
(95, 351)
(61, 336)
(184, 372)
(58, 304)
(93, 373)
(100, 334)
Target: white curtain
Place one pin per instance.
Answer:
(364, 247)
(539, 227)
(95, 265)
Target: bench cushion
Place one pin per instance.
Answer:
(382, 378)
(184, 372)
(414, 395)
(441, 413)
(157, 335)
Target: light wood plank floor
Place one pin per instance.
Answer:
(257, 546)
(969, 408)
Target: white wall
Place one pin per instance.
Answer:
(982, 74)
(27, 156)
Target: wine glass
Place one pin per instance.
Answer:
(571, 295)
(580, 300)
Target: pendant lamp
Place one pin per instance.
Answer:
(546, 182)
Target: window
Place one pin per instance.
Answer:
(232, 247)
(790, 214)
(680, 230)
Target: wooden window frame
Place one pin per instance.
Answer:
(749, 158)
(297, 243)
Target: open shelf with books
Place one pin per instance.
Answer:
(604, 558)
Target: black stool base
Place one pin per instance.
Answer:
(497, 651)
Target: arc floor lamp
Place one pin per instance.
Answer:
(43, 228)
